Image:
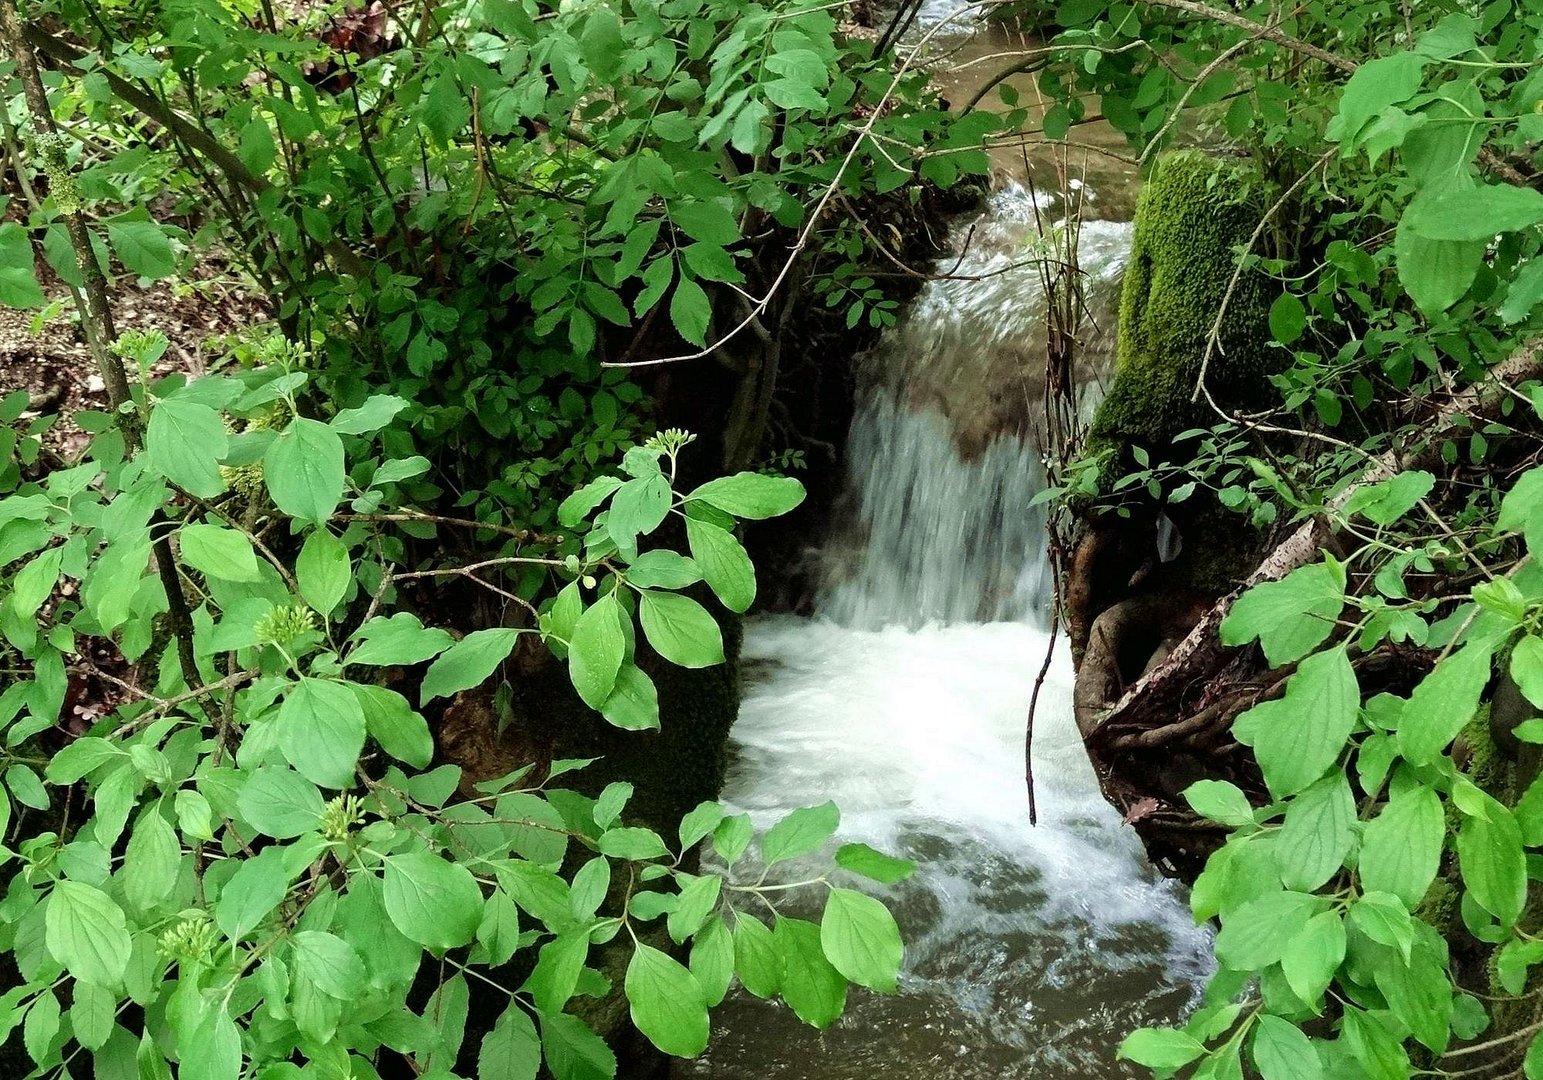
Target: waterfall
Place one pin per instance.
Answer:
(1030, 951)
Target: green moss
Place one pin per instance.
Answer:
(1194, 213)
(1488, 766)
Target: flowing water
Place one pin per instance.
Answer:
(1030, 951)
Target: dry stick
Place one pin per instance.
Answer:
(864, 133)
(96, 318)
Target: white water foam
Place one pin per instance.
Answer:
(1031, 951)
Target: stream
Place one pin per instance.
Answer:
(1030, 952)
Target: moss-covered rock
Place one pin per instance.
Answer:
(1194, 213)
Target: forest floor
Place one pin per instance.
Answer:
(44, 353)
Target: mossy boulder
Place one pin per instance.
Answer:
(1194, 214)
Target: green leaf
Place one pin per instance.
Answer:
(77, 760)
(712, 960)
(323, 571)
(1288, 318)
(1385, 81)
(667, 1003)
(1523, 296)
(680, 629)
(1475, 214)
(329, 963)
(1256, 935)
(1494, 867)
(861, 940)
(663, 569)
(42, 1026)
(257, 887)
(1435, 273)
(390, 720)
(757, 960)
(799, 833)
(1282, 1052)
(632, 843)
(639, 507)
(699, 823)
(152, 860)
(573, 1051)
(1443, 703)
(691, 311)
(1527, 668)
(1380, 1055)
(1401, 847)
(400, 639)
(556, 975)
(732, 837)
(705, 220)
(1297, 737)
(1290, 617)
(1532, 1064)
(1452, 36)
(499, 930)
(634, 702)
(86, 933)
(596, 652)
(793, 94)
(212, 1051)
(19, 286)
(812, 987)
(280, 803)
(467, 663)
(1383, 918)
(723, 562)
(184, 442)
(303, 469)
(751, 495)
(1385, 503)
(1513, 962)
(1220, 801)
(1419, 994)
(578, 506)
(91, 1016)
(698, 900)
(1311, 958)
(1164, 1049)
(320, 729)
(436, 903)
(377, 411)
(1317, 834)
(512, 1050)
(874, 865)
(219, 552)
(143, 247)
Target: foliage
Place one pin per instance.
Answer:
(251, 866)
(475, 205)
(1407, 137)
(263, 868)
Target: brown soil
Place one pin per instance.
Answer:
(44, 352)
